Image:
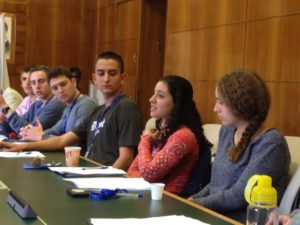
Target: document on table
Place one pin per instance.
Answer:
(103, 171)
(111, 183)
(32, 154)
(174, 220)
(2, 137)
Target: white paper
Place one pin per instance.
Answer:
(174, 220)
(2, 137)
(111, 183)
(88, 170)
(32, 154)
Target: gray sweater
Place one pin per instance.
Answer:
(267, 154)
(73, 115)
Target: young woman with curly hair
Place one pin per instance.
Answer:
(168, 154)
(246, 146)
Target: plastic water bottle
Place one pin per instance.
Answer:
(262, 199)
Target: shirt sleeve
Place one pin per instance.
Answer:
(130, 124)
(51, 113)
(153, 167)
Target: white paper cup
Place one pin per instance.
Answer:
(157, 191)
(72, 154)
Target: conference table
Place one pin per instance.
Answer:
(45, 192)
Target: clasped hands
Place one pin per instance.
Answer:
(32, 133)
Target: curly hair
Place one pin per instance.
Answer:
(183, 113)
(248, 98)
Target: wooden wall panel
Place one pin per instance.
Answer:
(129, 50)
(205, 54)
(258, 9)
(182, 50)
(106, 3)
(53, 32)
(272, 48)
(129, 19)
(195, 14)
(54, 24)
(206, 39)
(107, 24)
(66, 4)
(204, 96)
(285, 108)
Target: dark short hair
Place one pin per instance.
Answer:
(76, 72)
(43, 68)
(59, 71)
(27, 69)
(114, 56)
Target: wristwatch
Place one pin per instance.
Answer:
(5, 110)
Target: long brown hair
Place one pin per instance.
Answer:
(247, 96)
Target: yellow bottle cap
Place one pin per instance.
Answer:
(259, 192)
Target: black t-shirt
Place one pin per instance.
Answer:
(121, 126)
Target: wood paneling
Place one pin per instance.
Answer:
(206, 39)
(54, 24)
(129, 51)
(107, 24)
(53, 32)
(205, 54)
(66, 4)
(106, 3)
(272, 48)
(285, 108)
(195, 14)
(204, 97)
(258, 9)
(130, 87)
(129, 16)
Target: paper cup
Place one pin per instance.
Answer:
(72, 154)
(157, 191)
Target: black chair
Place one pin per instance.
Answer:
(200, 175)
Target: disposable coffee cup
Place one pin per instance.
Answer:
(157, 191)
(72, 154)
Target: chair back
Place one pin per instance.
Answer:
(211, 132)
(291, 198)
(200, 175)
(294, 147)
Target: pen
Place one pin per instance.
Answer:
(95, 168)
(26, 153)
(129, 195)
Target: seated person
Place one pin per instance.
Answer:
(112, 131)
(246, 145)
(79, 107)
(26, 86)
(48, 109)
(168, 154)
